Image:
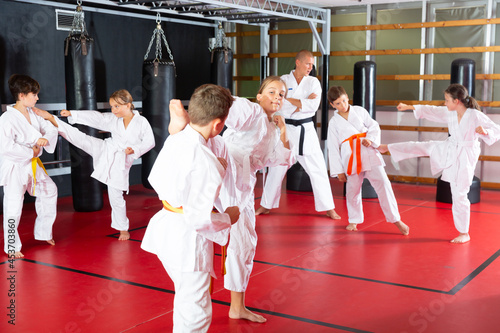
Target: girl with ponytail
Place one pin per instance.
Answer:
(456, 156)
(459, 92)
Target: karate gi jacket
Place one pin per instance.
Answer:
(112, 166)
(339, 150)
(456, 156)
(187, 174)
(17, 137)
(307, 86)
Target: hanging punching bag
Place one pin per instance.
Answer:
(463, 71)
(81, 95)
(158, 88)
(222, 67)
(364, 82)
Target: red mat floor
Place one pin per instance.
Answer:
(310, 274)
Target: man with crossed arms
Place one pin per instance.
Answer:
(302, 102)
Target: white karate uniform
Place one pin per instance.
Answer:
(312, 159)
(17, 137)
(372, 163)
(456, 156)
(219, 148)
(254, 143)
(187, 174)
(111, 164)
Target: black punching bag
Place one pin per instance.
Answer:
(158, 88)
(463, 71)
(364, 82)
(81, 95)
(222, 67)
(1, 188)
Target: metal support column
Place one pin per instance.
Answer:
(264, 50)
(325, 50)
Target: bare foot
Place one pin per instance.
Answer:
(403, 228)
(17, 255)
(462, 238)
(179, 117)
(333, 214)
(51, 242)
(383, 149)
(244, 313)
(262, 210)
(352, 227)
(124, 235)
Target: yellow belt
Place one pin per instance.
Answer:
(34, 162)
(180, 210)
(169, 207)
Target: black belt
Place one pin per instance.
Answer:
(300, 122)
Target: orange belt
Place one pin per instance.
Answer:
(180, 210)
(34, 162)
(358, 152)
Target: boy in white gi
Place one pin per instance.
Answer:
(131, 137)
(352, 138)
(23, 134)
(301, 103)
(456, 156)
(256, 138)
(187, 177)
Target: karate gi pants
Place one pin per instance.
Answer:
(45, 206)
(461, 205)
(94, 147)
(315, 167)
(241, 251)
(192, 303)
(119, 220)
(382, 186)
